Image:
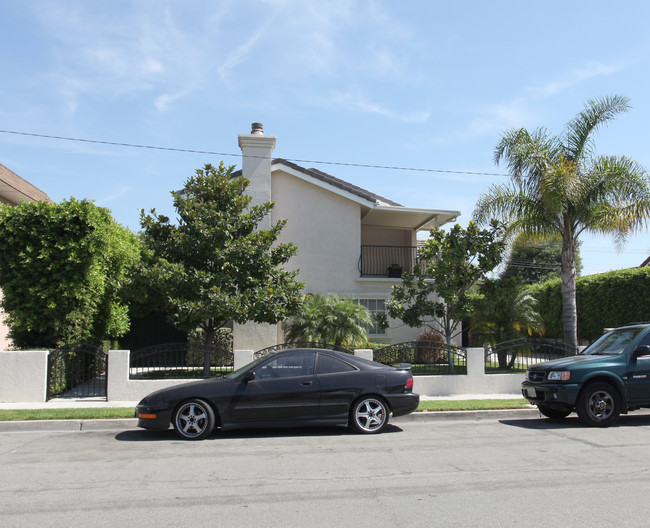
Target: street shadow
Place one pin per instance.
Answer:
(143, 435)
(573, 422)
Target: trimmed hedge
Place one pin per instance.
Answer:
(603, 301)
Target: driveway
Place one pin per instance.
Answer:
(522, 472)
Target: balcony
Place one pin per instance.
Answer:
(387, 261)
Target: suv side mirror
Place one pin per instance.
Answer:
(641, 350)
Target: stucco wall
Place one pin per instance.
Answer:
(23, 376)
(325, 227)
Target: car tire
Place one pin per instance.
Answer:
(369, 415)
(193, 420)
(599, 405)
(553, 412)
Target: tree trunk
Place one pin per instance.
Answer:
(568, 289)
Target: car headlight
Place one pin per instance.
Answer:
(559, 375)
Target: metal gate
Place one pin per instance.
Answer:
(77, 371)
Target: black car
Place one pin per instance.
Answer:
(290, 388)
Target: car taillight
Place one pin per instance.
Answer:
(408, 386)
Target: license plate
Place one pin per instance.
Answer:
(531, 393)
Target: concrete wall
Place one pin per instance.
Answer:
(23, 377)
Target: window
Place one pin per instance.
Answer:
(329, 365)
(299, 364)
(375, 306)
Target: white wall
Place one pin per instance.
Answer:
(23, 376)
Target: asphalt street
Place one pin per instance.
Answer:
(490, 470)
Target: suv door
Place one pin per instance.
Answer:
(638, 376)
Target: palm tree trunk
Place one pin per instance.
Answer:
(568, 289)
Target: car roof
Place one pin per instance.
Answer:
(344, 356)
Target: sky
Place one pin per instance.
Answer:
(417, 84)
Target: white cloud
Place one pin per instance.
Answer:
(573, 78)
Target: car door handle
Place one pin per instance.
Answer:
(306, 383)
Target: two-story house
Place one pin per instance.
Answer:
(351, 242)
(14, 190)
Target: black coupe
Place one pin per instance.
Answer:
(290, 388)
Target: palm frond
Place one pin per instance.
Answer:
(595, 114)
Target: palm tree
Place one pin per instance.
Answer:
(558, 185)
(331, 320)
(505, 311)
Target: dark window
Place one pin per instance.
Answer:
(330, 365)
(299, 364)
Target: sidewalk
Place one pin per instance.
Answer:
(88, 403)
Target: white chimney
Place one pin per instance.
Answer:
(257, 149)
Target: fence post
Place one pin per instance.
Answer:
(475, 367)
(23, 376)
(118, 375)
(365, 353)
(242, 358)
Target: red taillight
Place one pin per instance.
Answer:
(408, 386)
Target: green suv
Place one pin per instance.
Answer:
(611, 376)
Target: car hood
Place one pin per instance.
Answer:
(564, 363)
(184, 390)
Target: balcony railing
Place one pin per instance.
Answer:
(387, 261)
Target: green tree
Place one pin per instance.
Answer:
(536, 261)
(559, 186)
(505, 310)
(438, 290)
(331, 320)
(214, 264)
(61, 269)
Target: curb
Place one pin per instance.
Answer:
(68, 425)
(495, 414)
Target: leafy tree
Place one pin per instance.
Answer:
(438, 290)
(559, 186)
(61, 269)
(505, 310)
(214, 265)
(331, 320)
(536, 261)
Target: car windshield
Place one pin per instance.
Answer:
(614, 342)
(243, 369)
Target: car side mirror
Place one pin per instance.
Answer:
(641, 350)
(249, 376)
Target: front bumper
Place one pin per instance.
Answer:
(560, 394)
(152, 417)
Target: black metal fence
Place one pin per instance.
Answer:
(180, 361)
(286, 346)
(426, 357)
(387, 261)
(519, 354)
(77, 371)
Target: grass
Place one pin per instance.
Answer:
(472, 405)
(12, 415)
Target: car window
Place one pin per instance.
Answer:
(614, 342)
(329, 365)
(285, 366)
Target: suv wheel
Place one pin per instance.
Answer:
(599, 405)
